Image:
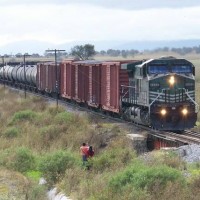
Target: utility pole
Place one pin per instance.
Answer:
(57, 83)
(24, 62)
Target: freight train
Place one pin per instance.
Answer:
(157, 92)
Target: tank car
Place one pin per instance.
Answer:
(161, 94)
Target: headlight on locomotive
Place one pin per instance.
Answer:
(171, 80)
(184, 111)
(163, 112)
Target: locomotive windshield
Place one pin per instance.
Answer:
(158, 69)
(163, 69)
(182, 69)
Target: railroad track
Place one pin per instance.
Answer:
(187, 137)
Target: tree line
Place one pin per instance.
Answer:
(87, 51)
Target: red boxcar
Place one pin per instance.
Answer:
(93, 82)
(67, 79)
(81, 81)
(46, 80)
(94, 90)
(88, 82)
(112, 77)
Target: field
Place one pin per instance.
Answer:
(41, 140)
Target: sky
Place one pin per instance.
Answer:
(61, 21)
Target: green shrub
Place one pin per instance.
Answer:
(112, 158)
(49, 132)
(23, 160)
(37, 192)
(54, 110)
(23, 115)
(54, 165)
(140, 176)
(5, 157)
(63, 117)
(34, 175)
(11, 132)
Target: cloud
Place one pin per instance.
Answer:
(70, 22)
(111, 4)
(58, 24)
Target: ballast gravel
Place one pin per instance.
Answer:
(189, 153)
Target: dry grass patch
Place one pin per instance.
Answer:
(13, 185)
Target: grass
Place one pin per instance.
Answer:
(38, 139)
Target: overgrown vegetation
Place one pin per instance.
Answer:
(40, 140)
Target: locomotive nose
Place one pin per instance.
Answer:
(175, 119)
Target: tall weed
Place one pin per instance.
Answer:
(141, 177)
(23, 160)
(53, 165)
(23, 115)
(11, 132)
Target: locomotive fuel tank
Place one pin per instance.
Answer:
(138, 115)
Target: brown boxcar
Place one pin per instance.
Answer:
(67, 79)
(112, 77)
(81, 81)
(88, 82)
(47, 77)
(94, 90)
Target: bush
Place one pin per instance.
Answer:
(37, 192)
(11, 132)
(34, 175)
(54, 165)
(113, 158)
(54, 110)
(23, 160)
(49, 132)
(63, 117)
(23, 115)
(141, 177)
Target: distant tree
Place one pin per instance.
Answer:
(6, 56)
(35, 55)
(197, 49)
(18, 55)
(102, 52)
(124, 53)
(83, 52)
(113, 52)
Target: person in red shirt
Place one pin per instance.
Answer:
(84, 152)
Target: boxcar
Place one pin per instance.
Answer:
(112, 77)
(47, 76)
(67, 79)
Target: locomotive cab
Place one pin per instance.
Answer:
(172, 103)
(161, 94)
